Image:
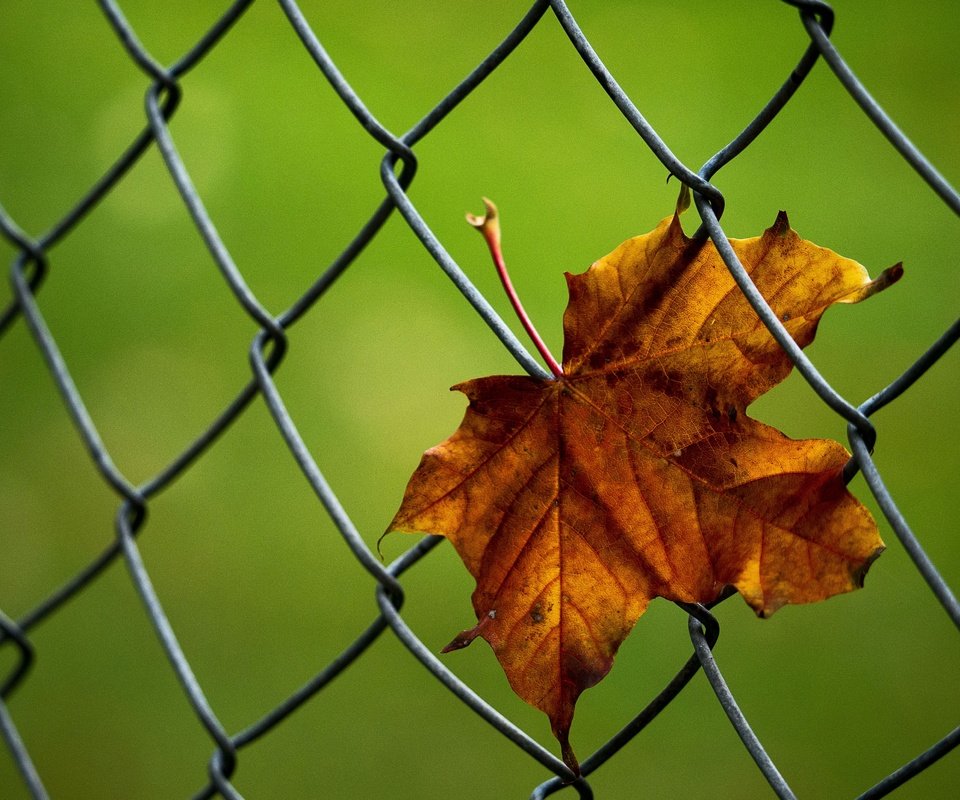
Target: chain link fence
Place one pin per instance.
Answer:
(29, 272)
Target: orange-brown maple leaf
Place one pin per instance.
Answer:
(637, 473)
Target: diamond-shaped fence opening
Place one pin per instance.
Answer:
(243, 321)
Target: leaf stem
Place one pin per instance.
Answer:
(489, 227)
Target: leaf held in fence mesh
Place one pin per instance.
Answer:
(636, 472)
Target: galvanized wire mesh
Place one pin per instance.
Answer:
(398, 167)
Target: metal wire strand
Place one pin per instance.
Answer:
(898, 386)
(21, 757)
(913, 767)
(130, 156)
(68, 389)
(25, 655)
(653, 708)
(126, 522)
(314, 476)
(911, 154)
(344, 660)
(704, 653)
(470, 698)
(398, 166)
(131, 43)
(898, 522)
(650, 137)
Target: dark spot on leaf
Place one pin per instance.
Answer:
(536, 615)
(598, 361)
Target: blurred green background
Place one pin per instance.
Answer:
(258, 585)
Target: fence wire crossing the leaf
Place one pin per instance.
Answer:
(397, 170)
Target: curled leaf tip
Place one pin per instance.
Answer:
(889, 276)
(458, 643)
(464, 638)
(683, 199)
(781, 226)
(883, 281)
(380, 542)
(566, 751)
(859, 573)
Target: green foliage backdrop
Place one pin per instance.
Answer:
(258, 585)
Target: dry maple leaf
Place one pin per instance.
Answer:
(636, 473)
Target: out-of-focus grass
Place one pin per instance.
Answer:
(258, 585)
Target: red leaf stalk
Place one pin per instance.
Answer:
(489, 227)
